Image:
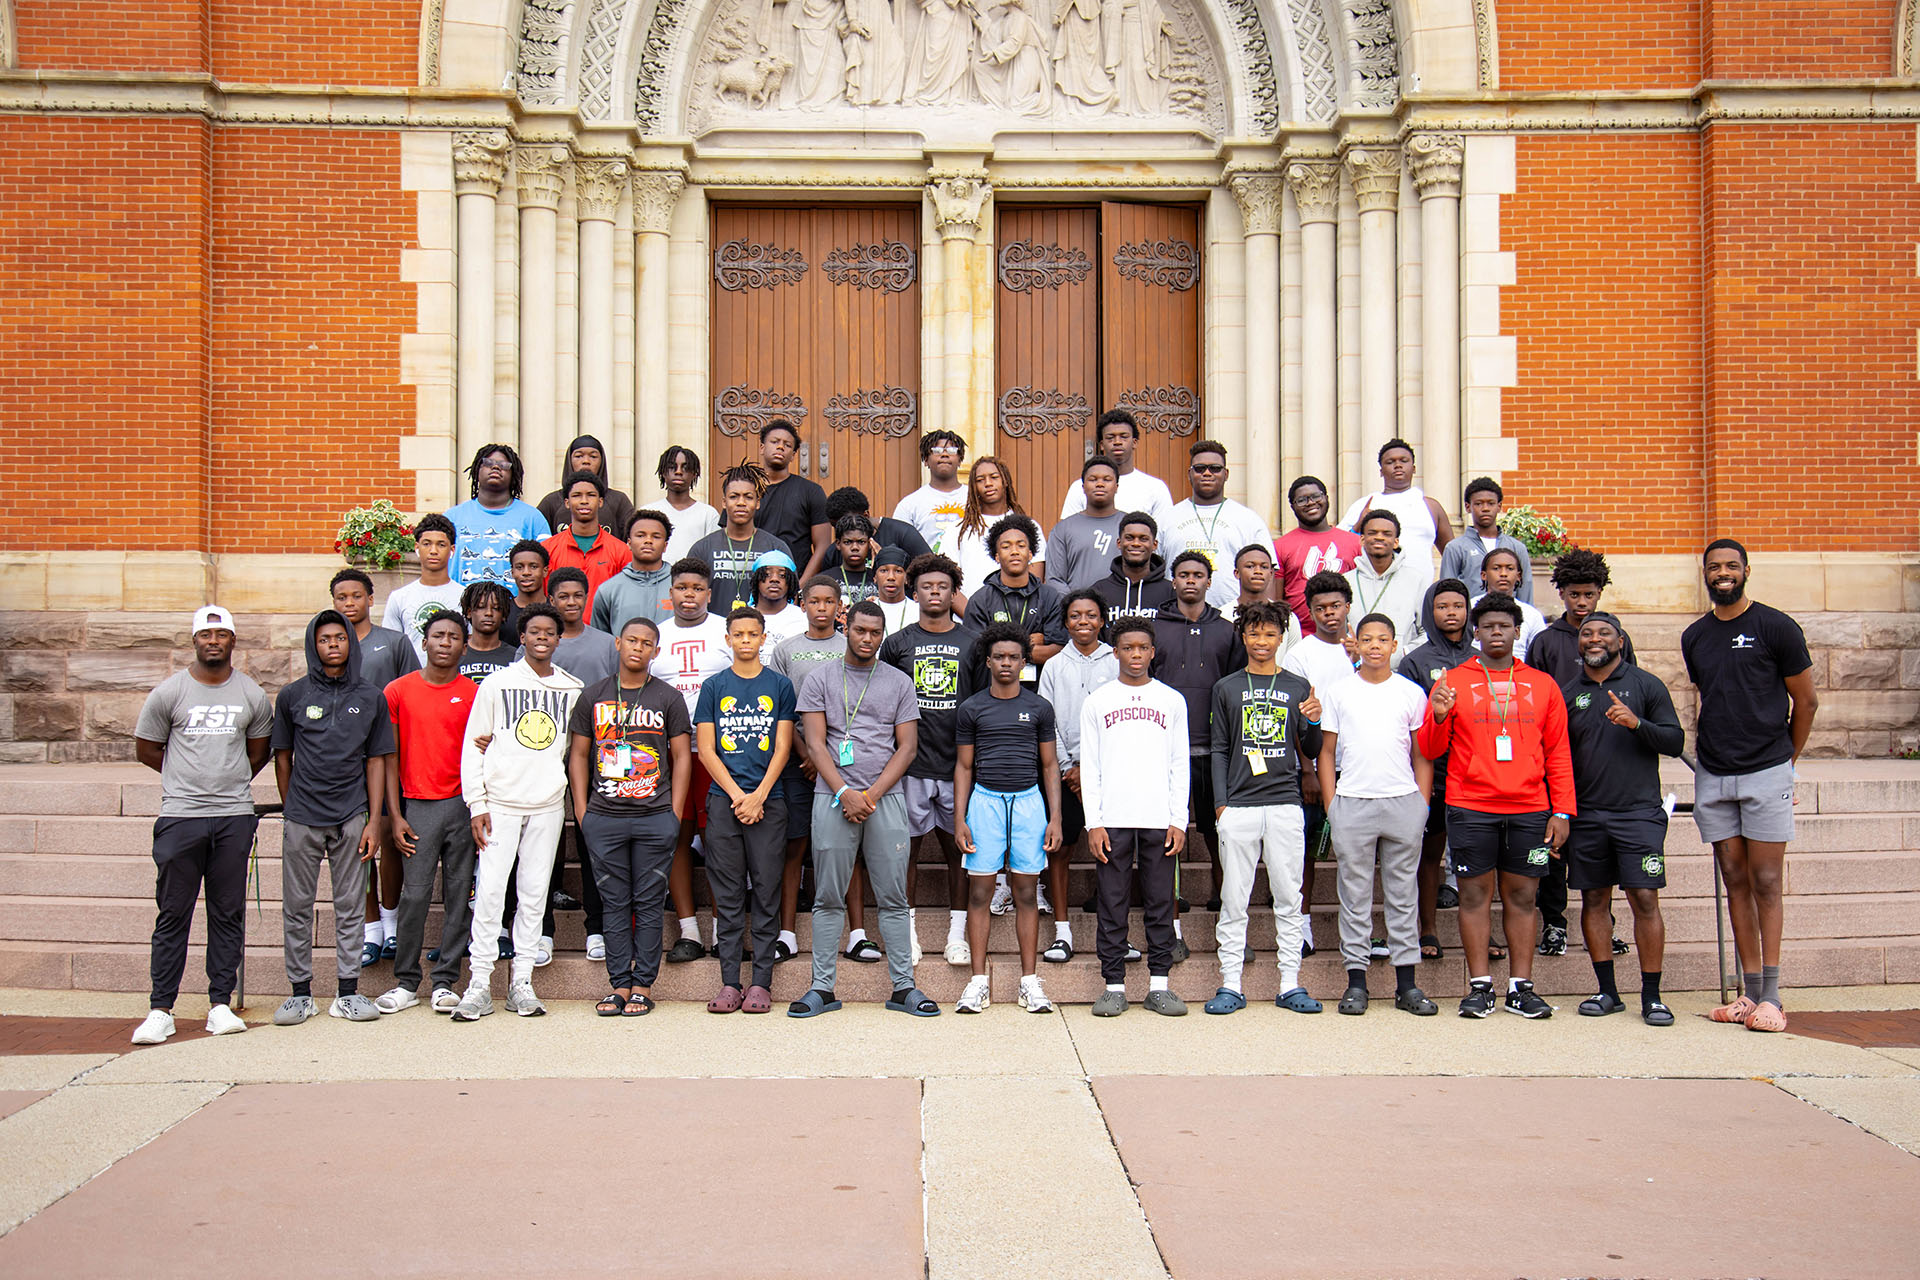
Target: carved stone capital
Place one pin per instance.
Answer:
(542, 172)
(1437, 159)
(479, 161)
(655, 192)
(1316, 188)
(1375, 174)
(597, 183)
(957, 201)
(1259, 196)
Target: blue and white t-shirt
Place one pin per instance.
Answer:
(484, 549)
(745, 715)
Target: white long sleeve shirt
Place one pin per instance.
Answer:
(1134, 756)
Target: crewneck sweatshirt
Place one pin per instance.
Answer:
(1133, 756)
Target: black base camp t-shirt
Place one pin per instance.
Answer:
(1741, 668)
(940, 665)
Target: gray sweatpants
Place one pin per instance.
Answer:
(445, 844)
(885, 842)
(302, 850)
(1390, 831)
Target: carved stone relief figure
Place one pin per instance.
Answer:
(819, 59)
(1137, 47)
(1017, 75)
(876, 55)
(940, 66)
(1078, 65)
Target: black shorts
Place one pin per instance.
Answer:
(1073, 816)
(1512, 842)
(797, 787)
(1608, 848)
(1437, 810)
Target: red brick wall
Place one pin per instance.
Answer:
(1577, 44)
(1798, 39)
(1606, 308)
(111, 35)
(103, 262)
(1814, 306)
(346, 42)
(308, 312)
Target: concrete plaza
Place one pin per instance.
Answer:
(869, 1144)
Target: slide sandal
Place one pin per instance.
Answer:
(812, 1005)
(1430, 948)
(611, 1005)
(638, 1006)
(914, 1001)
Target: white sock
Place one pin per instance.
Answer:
(1176, 928)
(1488, 981)
(1289, 979)
(1000, 880)
(1117, 986)
(791, 939)
(390, 921)
(855, 938)
(1513, 984)
(1026, 978)
(375, 933)
(956, 925)
(716, 933)
(1235, 987)
(1157, 984)
(1063, 931)
(690, 927)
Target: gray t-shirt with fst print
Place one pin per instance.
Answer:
(205, 728)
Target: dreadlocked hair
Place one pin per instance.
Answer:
(973, 519)
(516, 473)
(751, 472)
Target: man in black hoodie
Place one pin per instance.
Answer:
(1195, 647)
(1013, 595)
(586, 453)
(1138, 585)
(1443, 617)
(331, 734)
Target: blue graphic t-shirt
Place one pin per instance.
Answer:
(745, 715)
(484, 549)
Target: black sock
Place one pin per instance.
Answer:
(1649, 988)
(349, 986)
(1357, 978)
(900, 996)
(303, 988)
(1603, 970)
(1403, 978)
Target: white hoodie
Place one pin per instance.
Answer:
(524, 768)
(1398, 593)
(1134, 757)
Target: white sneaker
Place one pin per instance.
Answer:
(399, 998)
(958, 952)
(521, 1000)
(596, 946)
(1032, 997)
(222, 1021)
(916, 946)
(155, 1028)
(473, 1006)
(543, 954)
(1040, 892)
(1002, 899)
(445, 1000)
(976, 997)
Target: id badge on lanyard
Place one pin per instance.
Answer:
(846, 752)
(1503, 748)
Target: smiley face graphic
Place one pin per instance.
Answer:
(535, 730)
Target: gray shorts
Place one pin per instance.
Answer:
(929, 804)
(1757, 806)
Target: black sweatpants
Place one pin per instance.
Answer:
(1147, 847)
(188, 852)
(744, 866)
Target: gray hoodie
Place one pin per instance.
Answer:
(633, 593)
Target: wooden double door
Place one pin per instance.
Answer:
(1096, 307)
(816, 318)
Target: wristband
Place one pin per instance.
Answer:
(1563, 817)
(844, 788)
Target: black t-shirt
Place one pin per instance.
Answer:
(630, 760)
(940, 665)
(1259, 715)
(1005, 734)
(789, 510)
(1617, 769)
(478, 664)
(1741, 668)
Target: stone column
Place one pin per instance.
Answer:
(542, 169)
(1436, 159)
(958, 203)
(654, 193)
(597, 186)
(1316, 192)
(479, 167)
(1260, 197)
(1375, 174)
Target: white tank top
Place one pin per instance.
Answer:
(1417, 534)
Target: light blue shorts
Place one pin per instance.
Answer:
(1009, 832)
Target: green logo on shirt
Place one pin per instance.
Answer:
(936, 677)
(1262, 724)
(1584, 701)
(314, 713)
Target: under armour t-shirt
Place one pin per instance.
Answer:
(1741, 668)
(1005, 734)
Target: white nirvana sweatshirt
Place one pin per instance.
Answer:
(1133, 756)
(524, 768)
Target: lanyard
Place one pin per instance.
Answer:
(1218, 511)
(1386, 582)
(1500, 708)
(850, 713)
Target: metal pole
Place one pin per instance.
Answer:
(1719, 912)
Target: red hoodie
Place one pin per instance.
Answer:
(1540, 775)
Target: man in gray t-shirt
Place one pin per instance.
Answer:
(206, 730)
(1081, 548)
(861, 719)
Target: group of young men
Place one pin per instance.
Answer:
(807, 685)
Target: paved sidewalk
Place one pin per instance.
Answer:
(866, 1143)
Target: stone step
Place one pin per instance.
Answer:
(1687, 967)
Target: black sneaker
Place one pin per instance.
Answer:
(684, 950)
(1619, 947)
(1524, 1001)
(1449, 897)
(1553, 941)
(1213, 904)
(561, 900)
(1479, 1002)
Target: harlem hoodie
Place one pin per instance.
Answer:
(331, 725)
(524, 768)
(633, 593)
(1135, 599)
(616, 511)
